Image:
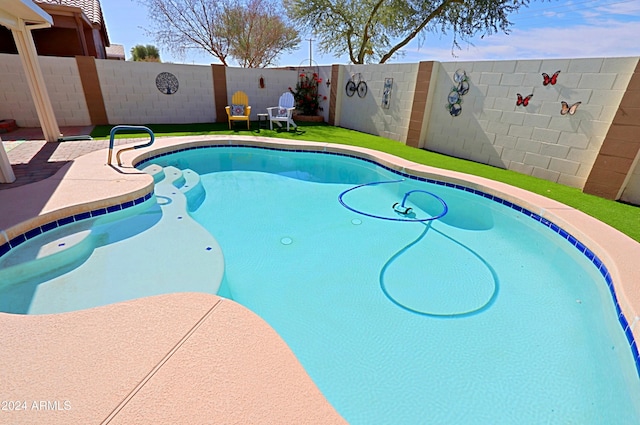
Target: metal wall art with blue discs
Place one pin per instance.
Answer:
(167, 83)
(454, 99)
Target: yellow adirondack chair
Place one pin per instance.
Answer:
(239, 110)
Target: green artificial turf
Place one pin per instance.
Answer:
(624, 217)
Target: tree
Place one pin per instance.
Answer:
(375, 30)
(148, 53)
(251, 32)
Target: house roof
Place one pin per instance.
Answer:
(91, 11)
(116, 51)
(91, 8)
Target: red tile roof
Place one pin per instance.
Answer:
(91, 8)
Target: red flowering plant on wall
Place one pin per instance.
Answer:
(306, 95)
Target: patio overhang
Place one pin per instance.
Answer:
(21, 17)
(13, 12)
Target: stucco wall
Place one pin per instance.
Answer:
(535, 140)
(247, 80)
(16, 102)
(491, 128)
(366, 114)
(62, 79)
(65, 90)
(324, 72)
(276, 82)
(130, 93)
(131, 96)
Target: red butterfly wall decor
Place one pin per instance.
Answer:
(550, 80)
(524, 101)
(566, 109)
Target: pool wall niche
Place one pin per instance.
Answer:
(400, 167)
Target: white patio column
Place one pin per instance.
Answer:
(21, 17)
(29, 57)
(6, 172)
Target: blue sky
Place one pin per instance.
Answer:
(550, 29)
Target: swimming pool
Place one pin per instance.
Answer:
(531, 335)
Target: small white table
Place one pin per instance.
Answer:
(263, 118)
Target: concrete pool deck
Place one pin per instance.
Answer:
(197, 358)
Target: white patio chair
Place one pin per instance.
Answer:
(283, 112)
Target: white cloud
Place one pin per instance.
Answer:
(608, 39)
(552, 14)
(630, 8)
(591, 15)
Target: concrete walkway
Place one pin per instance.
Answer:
(183, 358)
(33, 159)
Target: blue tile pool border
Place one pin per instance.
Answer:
(590, 255)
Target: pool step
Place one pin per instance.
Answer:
(48, 273)
(174, 176)
(186, 181)
(193, 189)
(156, 171)
(59, 255)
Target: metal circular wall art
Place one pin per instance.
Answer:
(167, 83)
(454, 99)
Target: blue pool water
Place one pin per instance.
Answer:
(480, 316)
